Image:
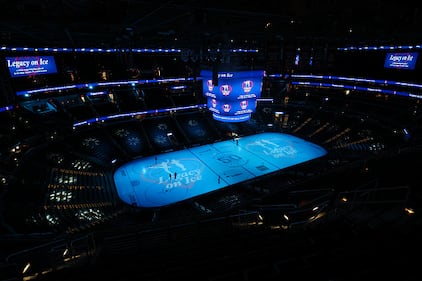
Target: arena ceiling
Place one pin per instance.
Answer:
(193, 23)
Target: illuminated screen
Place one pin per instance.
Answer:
(27, 66)
(401, 60)
(234, 99)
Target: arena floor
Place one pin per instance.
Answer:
(168, 178)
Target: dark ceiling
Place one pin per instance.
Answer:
(192, 23)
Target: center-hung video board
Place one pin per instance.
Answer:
(234, 98)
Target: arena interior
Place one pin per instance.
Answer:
(88, 87)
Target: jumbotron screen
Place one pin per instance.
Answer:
(234, 98)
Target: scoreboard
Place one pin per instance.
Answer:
(234, 98)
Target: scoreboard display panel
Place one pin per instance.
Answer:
(234, 98)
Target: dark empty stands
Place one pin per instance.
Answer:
(353, 214)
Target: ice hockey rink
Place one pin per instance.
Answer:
(168, 178)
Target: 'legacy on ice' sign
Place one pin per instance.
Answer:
(26, 66)
(401, 60)
(234, 99)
